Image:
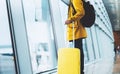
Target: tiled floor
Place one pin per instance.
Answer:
(116, 69)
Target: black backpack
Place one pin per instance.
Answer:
(89, 18)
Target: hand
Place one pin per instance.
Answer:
(68, 22)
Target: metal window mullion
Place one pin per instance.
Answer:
(20, 37)
(12, 36)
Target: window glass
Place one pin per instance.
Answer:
(7, 65)
(40, 34)
(97, 32)
(89, 46)
(86, 58)
(96, 43)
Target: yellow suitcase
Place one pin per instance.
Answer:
(68, 61)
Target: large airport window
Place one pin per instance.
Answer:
(40, 34)
(7, 64)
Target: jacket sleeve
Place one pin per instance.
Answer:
(78, 6)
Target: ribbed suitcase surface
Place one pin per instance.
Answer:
(68, 61)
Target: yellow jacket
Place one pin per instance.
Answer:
(79, 30)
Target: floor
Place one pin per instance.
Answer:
(116, 69)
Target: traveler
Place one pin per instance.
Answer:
(79, 30)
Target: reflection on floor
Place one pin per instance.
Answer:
(116, 69)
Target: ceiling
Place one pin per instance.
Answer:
(113, 9)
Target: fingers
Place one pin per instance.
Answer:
(68, 21)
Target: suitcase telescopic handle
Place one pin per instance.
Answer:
(73, 35)
(73, 41)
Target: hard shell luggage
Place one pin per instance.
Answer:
(68, 61)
